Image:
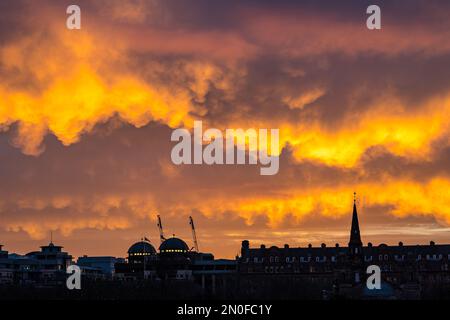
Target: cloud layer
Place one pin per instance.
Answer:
(86, 117)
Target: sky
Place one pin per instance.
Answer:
(86, 118)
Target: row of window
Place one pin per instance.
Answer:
(385, 257)
(292, 259)
(384, 268)
(381, 257)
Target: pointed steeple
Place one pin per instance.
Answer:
(355, 237)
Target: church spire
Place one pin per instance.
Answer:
(355, 237)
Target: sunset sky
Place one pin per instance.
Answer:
(86, 117)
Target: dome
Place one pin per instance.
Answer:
(173, 245)
(140, 248)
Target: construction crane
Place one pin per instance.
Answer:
(161, 234)
(194, 236)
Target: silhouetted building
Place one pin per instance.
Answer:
(410, 269)
(3, 254)
(6, 268)
(141, 262)
(355, 243)
(176, 262)
(175, 259)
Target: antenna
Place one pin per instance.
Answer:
(161, 234)
(194, 236)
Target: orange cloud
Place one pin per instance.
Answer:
(404, 197)
(96, 212)
(401, 130)
(80, 81)
(399, 198)
(76, 91)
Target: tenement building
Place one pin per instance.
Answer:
(406, 270)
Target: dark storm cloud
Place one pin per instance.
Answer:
(378, 162)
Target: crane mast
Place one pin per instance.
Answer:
(194, 236)
(161, 234)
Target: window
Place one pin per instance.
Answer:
(399, 257)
